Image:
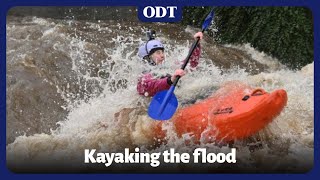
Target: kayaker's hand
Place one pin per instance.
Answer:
(198, 34)
(178, 72)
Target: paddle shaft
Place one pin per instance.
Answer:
(193, 47)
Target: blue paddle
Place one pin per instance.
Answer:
(164, 104)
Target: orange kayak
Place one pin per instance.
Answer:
(234, 112)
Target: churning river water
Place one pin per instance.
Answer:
(67, 81)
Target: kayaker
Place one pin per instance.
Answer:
(152, 52)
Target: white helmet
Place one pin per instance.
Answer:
(149, 47)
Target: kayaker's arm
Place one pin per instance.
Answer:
(195, 57)
(148, 86)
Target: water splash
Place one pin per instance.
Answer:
(90, 71)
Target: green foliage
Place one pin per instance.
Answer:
(283, 32)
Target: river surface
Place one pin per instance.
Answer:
(68, 79)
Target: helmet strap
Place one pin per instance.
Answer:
(149, 60)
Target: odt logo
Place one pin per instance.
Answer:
(160, 13)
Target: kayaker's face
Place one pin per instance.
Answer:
(158, 56)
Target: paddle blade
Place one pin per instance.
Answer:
(208, 20)
(163, 105)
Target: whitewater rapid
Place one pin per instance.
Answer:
(68, 80)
